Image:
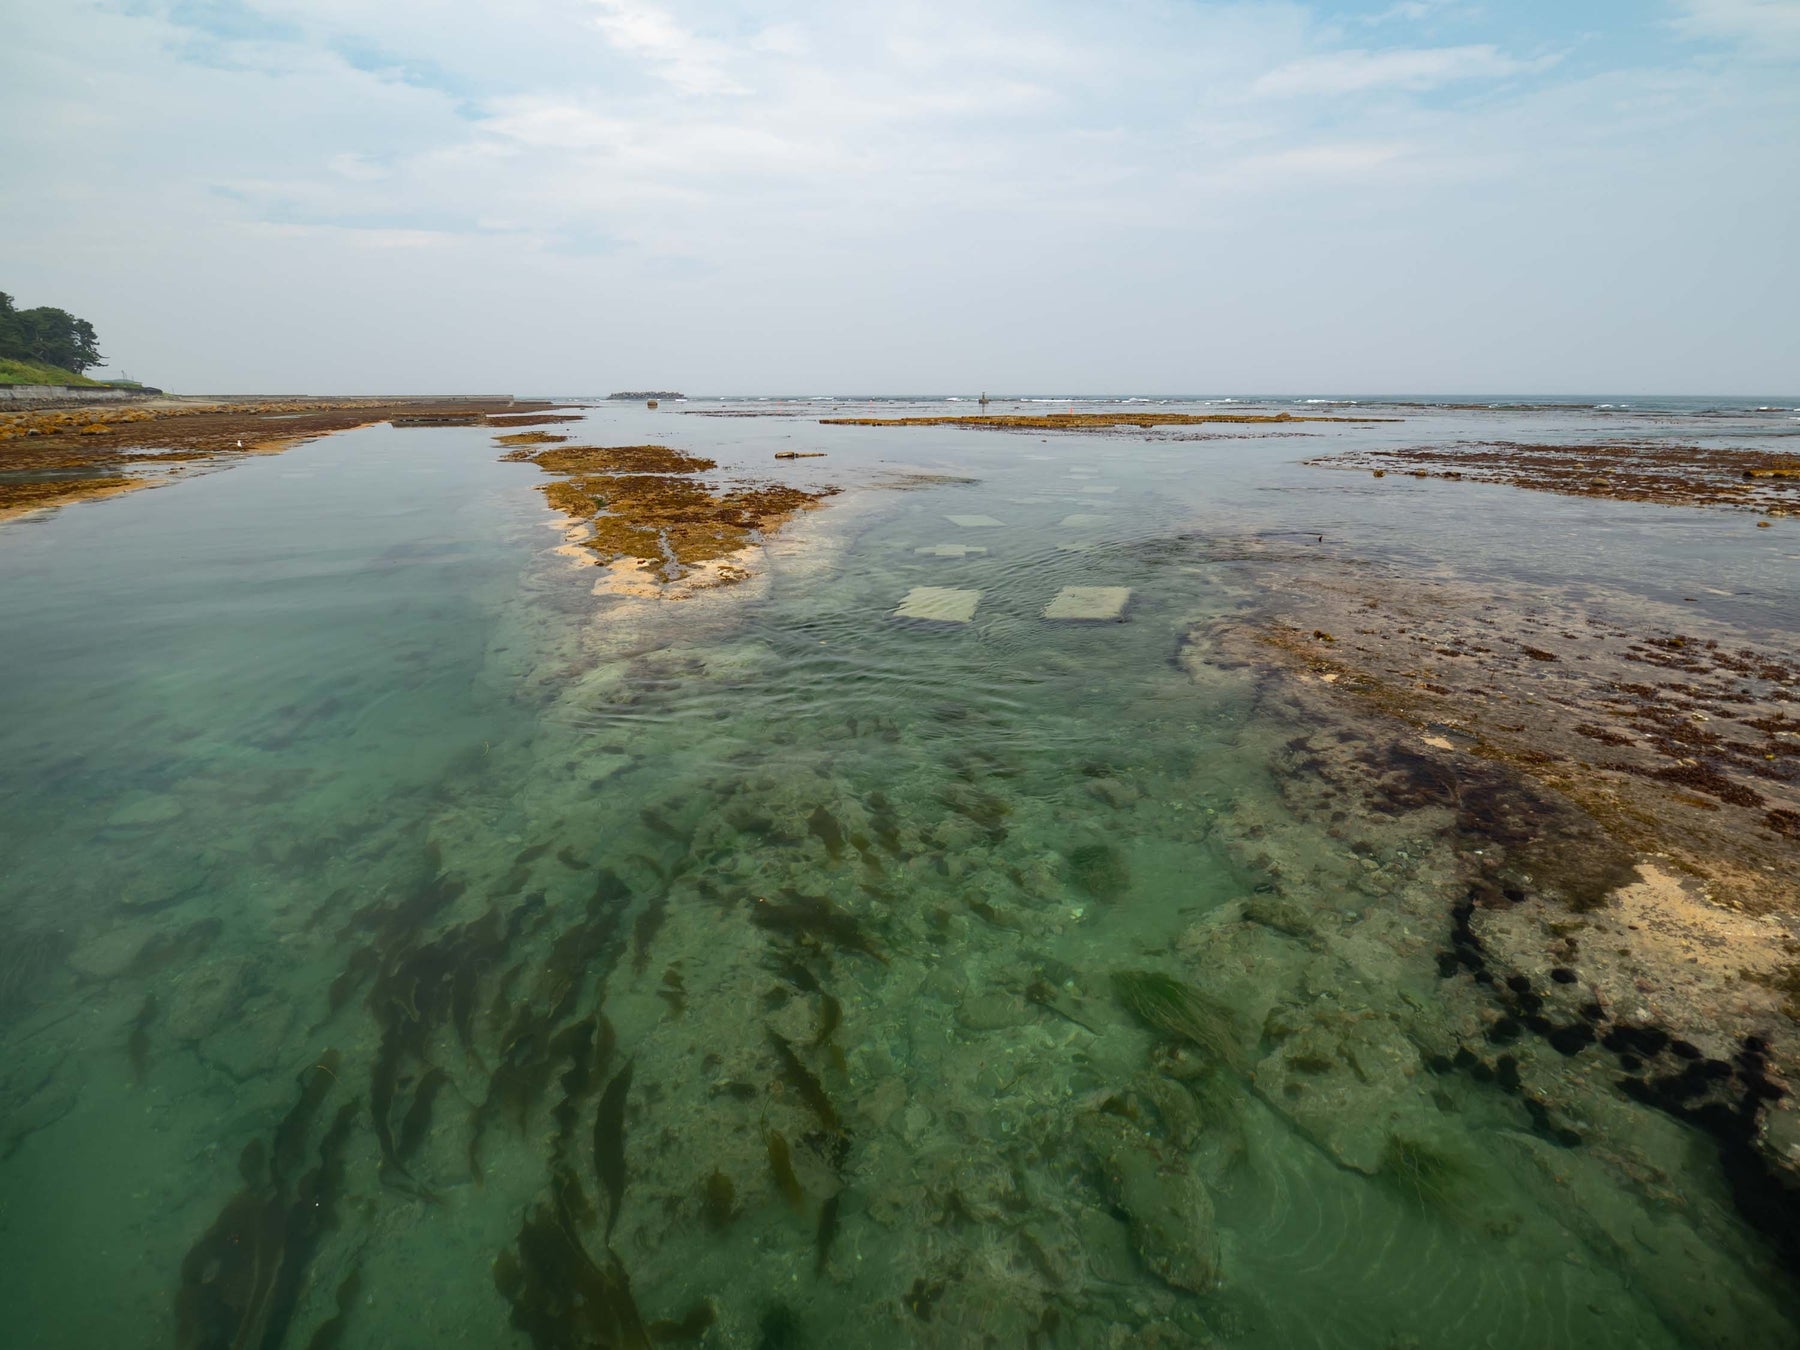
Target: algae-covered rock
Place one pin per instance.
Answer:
(145, 811)
(205, 998)
(252, 1042)
(1106, 1243)
(1101, 870)
(111, 952)
(992, 1010)
(1347, 1082)
(1279, 913)
(1174, 1008)
(1168, 1208)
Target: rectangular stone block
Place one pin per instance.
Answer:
(1091, 603)
(951, 550)
(938, 604)
(972, 522)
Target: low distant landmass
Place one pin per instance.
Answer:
(648, 393)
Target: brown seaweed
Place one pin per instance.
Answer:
(316, 1080)
(242, 1280)
(644, 931)
(719, 1201)
(812, 916)
(416, 1124)
(330, 1334)
(1101, 870)
(691, 1327)
(609, 1143)
(588, 1045)
(137, 1044)
(823, 826)
(781, 1167)
(831, 1015)
(827, 1231)
(561, 1297)
(805, 1083)
(175, 949)
(1177, 1010)
(673, 991)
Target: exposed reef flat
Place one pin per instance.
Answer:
(643, 511)
(1633, 471)
(1086, 421)
(1627, 780)
(53, 457)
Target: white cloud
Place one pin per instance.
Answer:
(1042, 182)
(692, 64)
(1413, 10)
(1413, 71)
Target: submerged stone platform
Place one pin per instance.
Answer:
(939, 604)
(951, 550)
(1090, 603)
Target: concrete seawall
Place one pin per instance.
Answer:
(48, 395)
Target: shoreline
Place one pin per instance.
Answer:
(99, 448)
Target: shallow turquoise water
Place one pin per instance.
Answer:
(381, 905)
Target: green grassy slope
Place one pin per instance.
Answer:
(36, 372)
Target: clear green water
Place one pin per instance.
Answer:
(353, 854)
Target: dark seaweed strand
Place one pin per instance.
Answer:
(330, 1332)
(137, 1044)
(240, 1281)
(827, 1232)
(781, 1167)
(807, 1085)
(609, 1143)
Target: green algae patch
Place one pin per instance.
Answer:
(644, 505)
(1174, 1009)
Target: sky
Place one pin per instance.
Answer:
(1140, 196)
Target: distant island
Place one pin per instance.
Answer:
(648, 393)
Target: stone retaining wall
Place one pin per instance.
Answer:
(42, 395)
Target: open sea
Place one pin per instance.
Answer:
(401, 945)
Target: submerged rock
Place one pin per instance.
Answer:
(1169, 1210)
(1346, 1081)
(206, 998)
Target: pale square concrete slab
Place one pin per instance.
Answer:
(951, 551)
(1079, 519)
(939, 604)
(1068, 547)
(1092, 603)
(972, 522)
(1099, 491)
